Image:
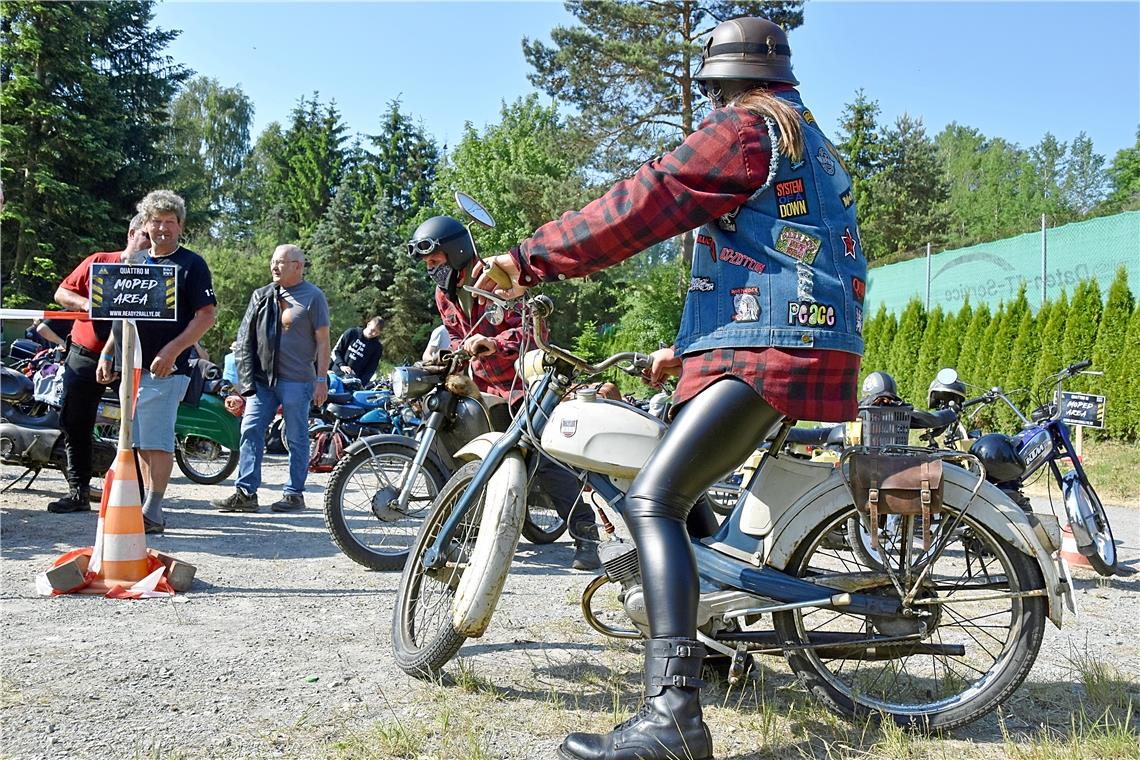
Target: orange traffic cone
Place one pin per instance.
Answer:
(119, 556)
(1069, 551)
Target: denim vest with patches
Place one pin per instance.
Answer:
(787, 268)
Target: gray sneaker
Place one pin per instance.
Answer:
(290, 502)
(238, 501)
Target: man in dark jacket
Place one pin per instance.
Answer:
(358, 351)
(282, 360)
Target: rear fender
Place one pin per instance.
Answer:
(209, 420)
(990, 507)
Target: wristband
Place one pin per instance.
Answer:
(322, 380)
(108, 357)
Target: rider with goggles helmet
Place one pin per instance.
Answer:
(772, 327)
(446, 248)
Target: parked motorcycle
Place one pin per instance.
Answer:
(35, 441)
(1044, 438)
(934, 636)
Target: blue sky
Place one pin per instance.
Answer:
(1014, 70)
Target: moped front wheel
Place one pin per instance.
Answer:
(362, 510)
(1089, 523)
(971, 639)
(423, 636)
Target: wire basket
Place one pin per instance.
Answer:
(885, 425)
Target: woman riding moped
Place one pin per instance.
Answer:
(772, 328)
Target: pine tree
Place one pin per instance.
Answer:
(1026, 349)
(929, 355)
(411, 311)
(1128, 398)
(905, 348)
(956, 327)
(1112, 354)
(1080, 332)
(1051, 358)
(970, 365)
(881, 337)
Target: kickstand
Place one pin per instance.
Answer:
(35, 471)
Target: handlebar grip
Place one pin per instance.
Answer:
(501, 278)
(975, 401)
(1075, 368)
(642, 361)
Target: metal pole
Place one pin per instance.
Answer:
(1044, 272)
(928, 278)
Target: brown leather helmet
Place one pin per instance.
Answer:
(749, 48)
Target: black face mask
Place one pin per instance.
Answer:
(442, 275)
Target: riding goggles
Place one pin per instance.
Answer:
(423, 247)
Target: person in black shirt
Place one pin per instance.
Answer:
(359, 350)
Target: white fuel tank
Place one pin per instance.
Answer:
(603, 436)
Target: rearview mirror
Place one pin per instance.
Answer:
(946, 376)
(473, 209)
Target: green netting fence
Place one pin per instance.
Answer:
(990, 273)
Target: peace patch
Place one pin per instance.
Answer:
(811, 314)
(799, 245)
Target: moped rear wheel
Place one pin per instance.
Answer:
(969, 645)
(204, 460)
(423, 637)
(361, 504)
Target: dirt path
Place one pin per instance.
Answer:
(282, 649)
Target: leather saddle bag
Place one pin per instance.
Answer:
(885, 484)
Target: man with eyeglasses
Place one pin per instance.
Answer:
(446, 249)
(82, 390)
(282, 359)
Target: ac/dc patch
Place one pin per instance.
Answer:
(797, 244)
(745, 304)
(811, 314)
(791, 201)
(701, 285)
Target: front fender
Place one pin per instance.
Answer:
(391, 439)
(990, 507)
(478, 447)
(209, 420)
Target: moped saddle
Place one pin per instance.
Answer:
(15, 386)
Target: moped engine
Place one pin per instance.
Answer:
(619, 561)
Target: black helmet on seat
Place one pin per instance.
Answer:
(1000, 457)
(749, 49)
(443, 233)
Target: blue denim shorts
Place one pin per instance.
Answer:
(156, 410)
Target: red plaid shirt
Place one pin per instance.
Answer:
(715, 170)
(493, 373)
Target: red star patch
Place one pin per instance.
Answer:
(848, 242)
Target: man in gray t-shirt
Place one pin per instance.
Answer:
(282, 359)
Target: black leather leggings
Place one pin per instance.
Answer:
(712, 434)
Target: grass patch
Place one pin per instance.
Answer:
(1108, 737)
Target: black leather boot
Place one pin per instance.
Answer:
(585, 535)
(75, 501)
(669, 725)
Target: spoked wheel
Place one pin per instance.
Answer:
(1087, 516)
(362, 508)
(204, 460)
(970, 643)
(543, 524)
(423, 637)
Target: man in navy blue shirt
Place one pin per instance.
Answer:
(165, 349)
(359, 350)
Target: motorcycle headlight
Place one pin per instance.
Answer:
(532, 368)
(399, 378)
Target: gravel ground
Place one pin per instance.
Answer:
(281, 648)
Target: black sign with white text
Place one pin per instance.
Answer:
(1082, 409)
(134, 291)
